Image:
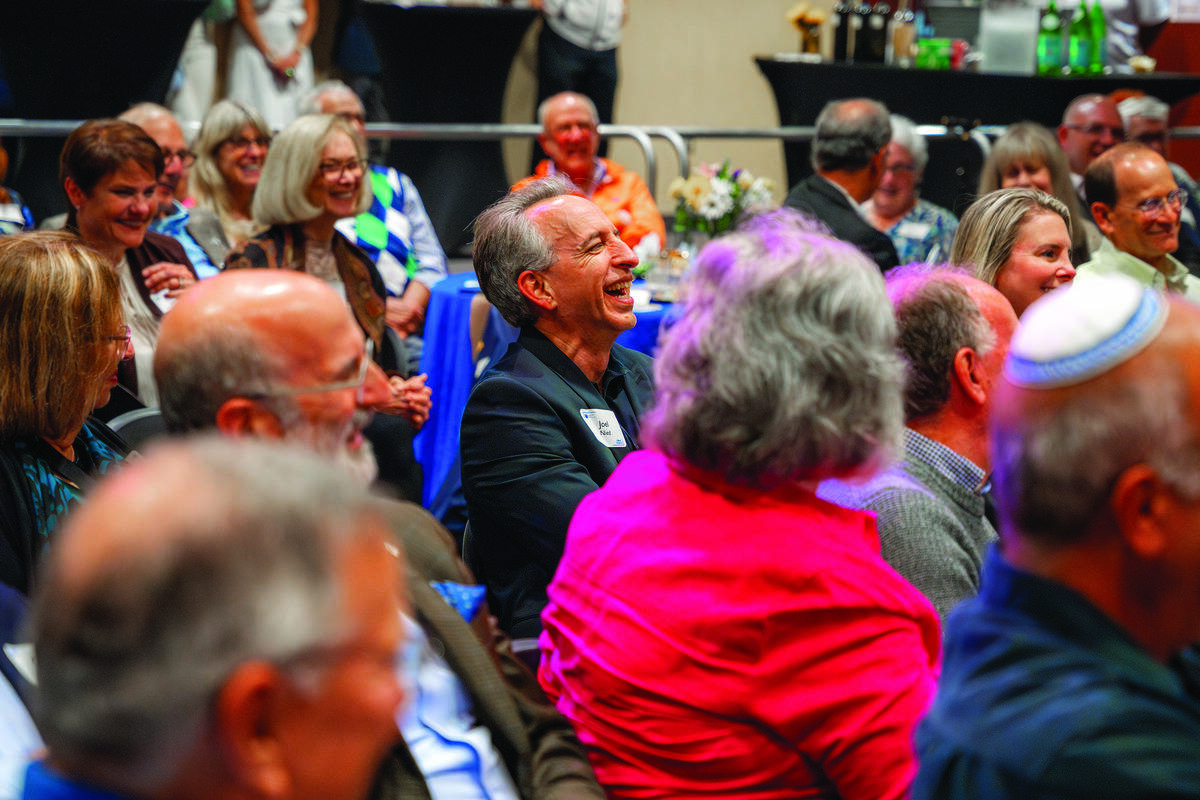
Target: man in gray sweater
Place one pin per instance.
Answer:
(929, 506)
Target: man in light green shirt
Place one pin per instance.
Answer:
(1136, 204)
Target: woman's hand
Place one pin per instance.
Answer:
(410, 399)
(174, 278)
(284, 66)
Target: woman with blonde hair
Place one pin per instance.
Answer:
(1019, 241)
(230, 150)
(62, 336)
(1027, 154)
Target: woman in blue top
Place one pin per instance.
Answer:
(62, 337)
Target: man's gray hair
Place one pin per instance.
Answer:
(849, 134)
(1147, 107)
(507, 243)
(141, 113)
(1053, 470)
(310, 103)
(196, 380)
(904, 133)
(131, 653)
(783, 365)
(936, 317)
(292, 164)
(544, 106)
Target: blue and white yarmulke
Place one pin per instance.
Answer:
(1083, 330)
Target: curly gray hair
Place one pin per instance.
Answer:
(783, 365)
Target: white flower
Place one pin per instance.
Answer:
(717, 204)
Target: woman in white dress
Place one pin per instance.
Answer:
(270, 65)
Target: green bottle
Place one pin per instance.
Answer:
(1079, 57)
(1049, 43)
(1099, 29)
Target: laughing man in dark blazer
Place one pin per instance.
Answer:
(848, 154)
(548, 423)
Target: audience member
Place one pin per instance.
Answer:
(550, 420)
(62, 337)
(1090, 125)
(577, 51)
(267, 354)
(1027, 154)
(197, 230)
(219, 621)
(1063, 678)
(1137, 205)
(919, 230)
(109, 170)
(312, 178)
(15, 216)
(1145, 121)
(715, 629)
(929, 507)
(1019, 241)
(270, 64)
(570, 138)
(230, 150)
(848, 154)
(395, 231)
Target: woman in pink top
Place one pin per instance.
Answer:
(715, 629)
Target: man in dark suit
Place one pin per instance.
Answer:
(548, 423)
(848, 155)
(276, 354)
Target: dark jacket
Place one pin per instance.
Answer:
(817, 196)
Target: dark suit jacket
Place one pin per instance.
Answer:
(817, 196)
(528, 458)
(538, 745)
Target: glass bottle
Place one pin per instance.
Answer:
(862, 13)
(903, 36)
(1079, 56)
(1050, 39)
(840, 19)
(1099, 28)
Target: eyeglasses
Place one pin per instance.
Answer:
(900, 168)
(186, 157)
(1154, 206)
(356, 382)
(356, 118)
(1152, 137)
(334, 170)
(124, 336)
(242, 143)
(1096, 130)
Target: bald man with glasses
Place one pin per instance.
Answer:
(1137, 205)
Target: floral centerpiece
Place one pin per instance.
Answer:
(711, 200)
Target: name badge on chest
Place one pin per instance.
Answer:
(604, 425)
(914, 230)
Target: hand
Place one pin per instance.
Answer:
(175, 278)
(411, 399)
(403, 315)
(284, 66)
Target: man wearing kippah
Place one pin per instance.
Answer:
(1071, 675)
(1137, 205)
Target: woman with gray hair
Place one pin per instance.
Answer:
(714, 628)
(230, 150)
(920, 230)
(1018, 240)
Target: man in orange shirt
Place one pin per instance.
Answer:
(570, 138)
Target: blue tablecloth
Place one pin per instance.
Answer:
(447, 360)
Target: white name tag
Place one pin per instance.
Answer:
(913, 230)
(21, 656)
(604, 425)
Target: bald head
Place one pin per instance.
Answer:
(1090, 125)
(239, 333)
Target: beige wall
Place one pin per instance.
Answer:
(683, 62)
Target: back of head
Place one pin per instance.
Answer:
(849, 134)
(507, 243)
(1100, 180)
(192, 561)
(989, 229)
(936, 317)
(223, 340)
(1093, 385)
(292, 162)
(783, 365)
(1144, 106)
(310, 103)
(225, 120)
(59, 304)
(99, 147)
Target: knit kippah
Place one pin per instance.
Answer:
(1083, 330)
